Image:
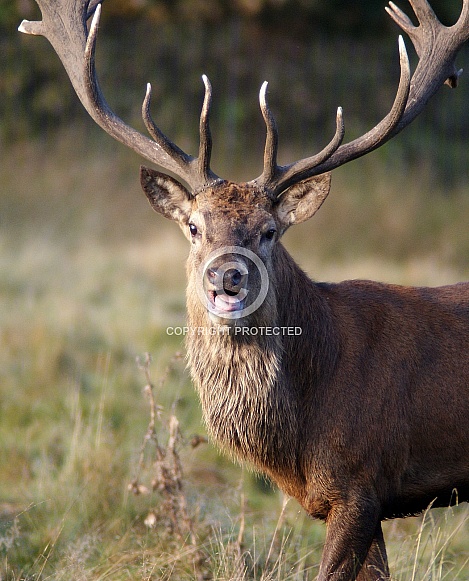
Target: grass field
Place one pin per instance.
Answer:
(89, 280)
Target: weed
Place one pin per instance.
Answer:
(168, 482)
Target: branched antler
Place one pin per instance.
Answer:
(64, 24)
(436, 46)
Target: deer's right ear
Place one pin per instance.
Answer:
(166, 195)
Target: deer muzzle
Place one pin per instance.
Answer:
(226, 288)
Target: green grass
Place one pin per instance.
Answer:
(87, 284)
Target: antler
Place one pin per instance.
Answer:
(436, 46)
(64, 24)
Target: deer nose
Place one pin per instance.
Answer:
(234, 276)
(230, 279)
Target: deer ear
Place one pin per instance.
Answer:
(166, 195)
(302, 200)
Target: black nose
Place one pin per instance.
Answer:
(234, 276)
(230, 279)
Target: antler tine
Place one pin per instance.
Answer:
(383, 131)
(423, 11)
(277, 178)
(104, 113)
(437, 47)
(64, 24)
(334, 154)
(166, 144)
(93, 4)
(271, 168)
(425, 16)
(400, 18)
(205, 146)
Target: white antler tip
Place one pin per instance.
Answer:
(31, 27)
(23, 26)
(207, 83)
(96, 18)
(93, 33)
(263, 93)
(147, 99)
(340, 131)
(403, 51)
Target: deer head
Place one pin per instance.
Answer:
(234, 229)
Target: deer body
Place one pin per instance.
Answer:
(361, 391)
(361, 416)
(349, 413)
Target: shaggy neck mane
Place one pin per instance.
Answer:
(242, 379)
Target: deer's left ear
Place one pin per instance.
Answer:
(302, 200)
(166, 195)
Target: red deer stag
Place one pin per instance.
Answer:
(352, 397)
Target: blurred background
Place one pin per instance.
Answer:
(398, 204)
(90, 277)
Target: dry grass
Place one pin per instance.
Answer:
(89, 279)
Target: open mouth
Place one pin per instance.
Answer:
(225, 301)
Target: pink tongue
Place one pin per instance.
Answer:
(227, 303)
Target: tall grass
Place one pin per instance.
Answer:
(89, 279)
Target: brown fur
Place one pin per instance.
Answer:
(363, 416)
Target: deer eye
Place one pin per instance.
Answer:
(193, 229)
(269, 235)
